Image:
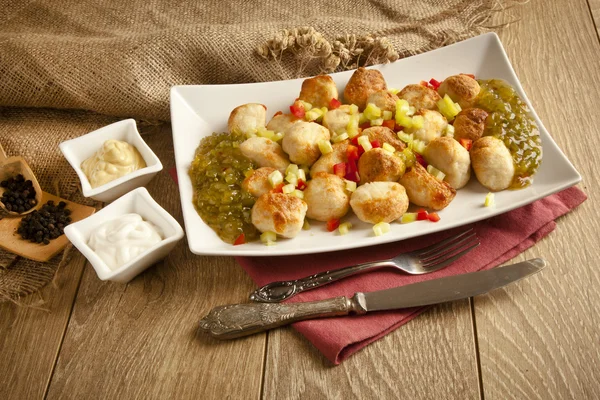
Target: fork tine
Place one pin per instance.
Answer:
(450, 260)
(444, 244)
(439, 258)
(442, 253)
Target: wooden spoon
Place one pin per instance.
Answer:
(13, 166)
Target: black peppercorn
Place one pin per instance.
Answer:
(45, 224)
(19, 195)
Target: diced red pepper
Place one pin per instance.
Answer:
(375, 144)
(434, 83)
(389, 123)
(433, 217)
(466, 143)
(334, 103)
(421, 160)
(352, 171)
(333, 224)
(365, 125)
(361, 150)
(352, 151)
(240, 240)
(340, 169)
(422, 214)
(298, 110)
(354, 140)
(301, 185)
(278, 188)
(398, 128)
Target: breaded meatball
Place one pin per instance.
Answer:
(301, 142)
(434, 124)
(247, 118)
(326, 162)
(279, 213)
(447, 155)
(424, 190)
(379, 202)
(281, 122)
(258, 183)
(337, 120)
(362, 84)
(492, 163)
(384, 100)
(318, 91)
(265, 152)
(326, 197)
(462, 89)
(384, 135)
(379, 165)
(470, 124)
(420, 96)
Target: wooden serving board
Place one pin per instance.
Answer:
(11, 241)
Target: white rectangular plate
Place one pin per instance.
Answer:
(198, 111)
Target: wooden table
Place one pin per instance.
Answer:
(538, 339)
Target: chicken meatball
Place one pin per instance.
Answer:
(362, 84)
(447, 155)
(492, 163)
(384, 135)
(470, 124)
(318, 91)
(420, 96)
(265, 152)
(384, 100)
(337, 120)
(301, 142)
(258, 183)
(326, 197)
(434, 124)
(379, 165)
(326, 162)
(247, 118)
(424, 190)
(462, 89)
(379, 202)
(281, 122)
(279, 213)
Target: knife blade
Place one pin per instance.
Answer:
(237, 320)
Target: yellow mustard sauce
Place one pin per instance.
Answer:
(113, 160)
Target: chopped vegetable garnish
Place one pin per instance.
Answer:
(301, 175)
(277, 137)
(422, 214)
(306, 225)
(314, 114)
(344, 228)
(352, 126)
(298, 110)
(448, 108)
(389, 123)
(301, 185)
(340, 138)
(298, 193)
(275, 178)
(333, 224)
(362, 119)
(264, 132)
(240, 239)
(393, 90)
(334, 103)
(372, 111)
(269, 238)
(418, 146)
(418, 121)
(340, 169)
(389, 148)
(278, 188)
(449, 131)
(325, 146)
(421, 160)
(489, 200)
(377, 122)
(466, 143)
(350, 185)
(433, 217)
(352, 152)
(287, 189)
(352, 171)
(292, 169)
(405, 137)
(387, 114)
(439, 175)
(434, 83)
(381, 228)
(353, 109)
(363, 141)
(291, 178)
(408, 217)
(375, 144)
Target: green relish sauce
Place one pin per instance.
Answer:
(510, 121)
(217, 173)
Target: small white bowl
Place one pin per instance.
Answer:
(79, 149)
(137, 201)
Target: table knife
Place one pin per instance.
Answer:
(237, 320)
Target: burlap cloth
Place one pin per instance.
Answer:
(67, 68)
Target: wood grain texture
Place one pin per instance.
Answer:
(432, 357)
(595, 10)
(140, 340)
(31, 334)
(540, 339)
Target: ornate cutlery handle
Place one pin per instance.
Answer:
(236, 320)
(275, 292)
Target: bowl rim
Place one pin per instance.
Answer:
(68, 147)
(74, 233)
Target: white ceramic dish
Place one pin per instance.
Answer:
(137, 201)
(198, 111)
(79, 149)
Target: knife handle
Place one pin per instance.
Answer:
(237, 320)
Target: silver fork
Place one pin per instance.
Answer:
(423, 261)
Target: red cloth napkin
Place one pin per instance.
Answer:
(502, 238)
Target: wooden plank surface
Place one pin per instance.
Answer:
(595, 10)
(432, 357)
(540, 339)
(140, 340)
